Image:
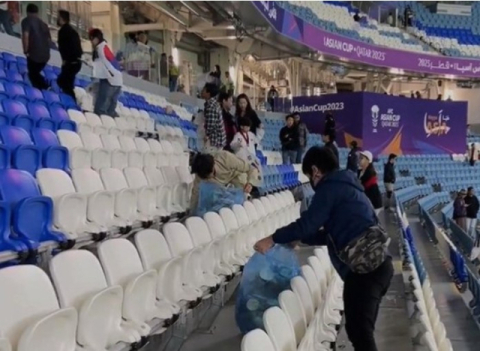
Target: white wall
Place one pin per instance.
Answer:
(472, 96)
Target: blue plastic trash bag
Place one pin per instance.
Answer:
(264, 278)
(213, 197)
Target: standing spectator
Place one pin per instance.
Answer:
(70, 49)
(330, 126)
(289, 141)
(222, 168)
(472, 153)
(352, 160)
(302, 137)
(389, 177)
(173, 73)
(340, 206)
(471, 201)
(368, 178)
(390, 20)
(164, 70)
(243, 143)
(215, 138)
(418, 95)
(226, 102)
(408, 16)
(329, 144)
(356, 17)
(216, 76)
(229, 86)
(460, 210)
(6, 18)
(243, 109)
(36, 41)
(271, 96)
(107, 70)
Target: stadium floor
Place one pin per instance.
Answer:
(459, 323)
(392, 326)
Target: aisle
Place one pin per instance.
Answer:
(225, 335)
(461, 328)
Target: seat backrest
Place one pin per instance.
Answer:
(153, 248)
(154, 176)
(292, 307)
(108, 121)
(14, 136)
(300, 288)
(184, 174)
(257, 340)
(251, 211)
(26, 295)
(167, 147)
(120, 261)
(93, 119)
(155, 146)
(142, 145)
(259, 207)
(229, 219)
(113, 179)
(280, 330)
(87, 181)
(14, 108)
(74, 289)
(69, 139)
(215, 224)
(266, 204)
(38, 110)
(135, 177)
(59, 113)
(178, 238)
(44, 137)
(170, 174)
(309, 275)
(110, 142)
(127, 143)
(77, 116)
(16, 185)
(199, 231)
(91, 141)
(54, 182)
(241, 215)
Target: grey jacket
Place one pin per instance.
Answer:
(302, 134)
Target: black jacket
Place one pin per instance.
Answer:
(330, 126)
(69, 44)
(289, 138)
(332, 147)
(389, 173)
(473, 206)
(253, 117)
(352, 161)
(370, 184)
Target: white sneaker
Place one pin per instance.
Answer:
(475, 253)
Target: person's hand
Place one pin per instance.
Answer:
(264, 245)
(248, 188)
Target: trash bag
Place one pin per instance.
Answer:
(212, 197)
(264, 278)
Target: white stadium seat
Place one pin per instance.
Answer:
(80, 157)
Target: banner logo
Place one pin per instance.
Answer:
(333, 106)
(375, 110)
(436, 124)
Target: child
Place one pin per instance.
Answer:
(244, 140)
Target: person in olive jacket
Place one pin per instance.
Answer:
(389, 177)
(369, 180)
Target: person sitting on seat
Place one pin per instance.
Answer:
(222, 168)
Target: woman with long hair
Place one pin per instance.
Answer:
(243, 109)
(368, 177)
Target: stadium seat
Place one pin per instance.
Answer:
(99, 307)
(80, 156)
(100, 157)
(280, 330)
(54, 155)
(119, 157)
(291, 305)
(24, 155)
(31, 319)
(257, 340)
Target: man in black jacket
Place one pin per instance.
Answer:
(329, 139)
(389, 177)
(289, 141)
(330, 126)
(472, 210)
(70, 49)
(352, 161)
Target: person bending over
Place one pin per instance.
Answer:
(222, 168)
(341, 207)
(368, 178)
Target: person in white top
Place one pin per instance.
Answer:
(243, 143)
(106, 69)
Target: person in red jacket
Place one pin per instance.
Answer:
(369, 180)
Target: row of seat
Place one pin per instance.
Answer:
(134, 288)
(309, 314)
(429, 332)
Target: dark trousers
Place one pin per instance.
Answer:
(6, 22)
(35, 76)
(362, 295)
(66, 78)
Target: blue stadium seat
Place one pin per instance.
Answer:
(7, 243)
(34, 94)
(51, 98)
(4, 119)
(54, 155)
(14, 76)
(68, 101)
(32, 212)
(13, 90)
(18, 114)
(25, 155)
